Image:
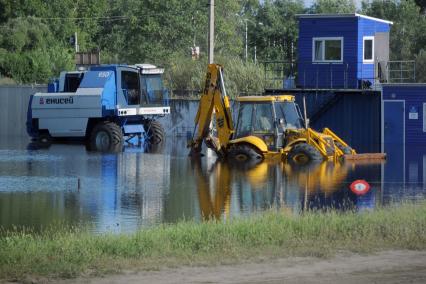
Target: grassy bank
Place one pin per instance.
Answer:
(68, 253)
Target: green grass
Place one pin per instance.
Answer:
(71, 252)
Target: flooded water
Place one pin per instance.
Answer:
(134, 189)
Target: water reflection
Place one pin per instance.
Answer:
(225, 190)
(121, 192)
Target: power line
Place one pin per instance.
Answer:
(98, 19)
(84, 18)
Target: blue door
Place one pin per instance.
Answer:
(393, 123)
(394, 142)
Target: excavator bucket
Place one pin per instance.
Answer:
(350, 154)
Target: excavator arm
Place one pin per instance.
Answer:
(213, 102)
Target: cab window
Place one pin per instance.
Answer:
(72, 82)
(263, 122)
(130, 86)
(287, 111)
(152, 88)
(244, 120)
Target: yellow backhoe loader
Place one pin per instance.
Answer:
(268, 127)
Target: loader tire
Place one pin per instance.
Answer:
(155, 132)
(303, 154)
(345, 149)
(106, 136)
(244, 153)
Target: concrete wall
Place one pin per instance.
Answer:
(13, 109)
(14, 104)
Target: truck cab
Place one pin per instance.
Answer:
(267, 117)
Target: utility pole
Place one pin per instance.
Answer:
(211, 32)
(76, 42)
(245, 55)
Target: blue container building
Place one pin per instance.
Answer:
(344, 75)
(341, 50)
(341, 63)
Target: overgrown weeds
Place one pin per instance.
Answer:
(70, 252)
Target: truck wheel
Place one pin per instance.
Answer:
(155, 132)
(44, 139)
(106, 136)
(345, 149)
(303, 153)
(244, 153)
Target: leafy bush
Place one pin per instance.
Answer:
(242, 77)
(184, 76)
(29, 53)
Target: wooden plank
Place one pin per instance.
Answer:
(366, 156)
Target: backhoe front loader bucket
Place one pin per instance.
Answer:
(345, 151)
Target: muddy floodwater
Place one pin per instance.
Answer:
(122, 192)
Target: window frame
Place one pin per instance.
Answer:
(323, 40)
(363, 49)
(239, 120)
(424, 117)
(138, 89)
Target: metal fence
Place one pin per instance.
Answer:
(399, 71)
(13, 108)
(14, 105)
(342, 75)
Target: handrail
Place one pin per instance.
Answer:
(338, 75)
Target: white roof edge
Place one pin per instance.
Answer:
(374, 19)
(405, 84)
(342, 16)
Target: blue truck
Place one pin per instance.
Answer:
(105, 105)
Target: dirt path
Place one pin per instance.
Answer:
(385, 267)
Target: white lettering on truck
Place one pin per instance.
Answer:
(57, 101)
(103, 74)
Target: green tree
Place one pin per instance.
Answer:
(421, 66)
(276, 33)
(407, 36)
(333, 7)
(18, 8)
(186, 76)
(421, 4)
(29, 52)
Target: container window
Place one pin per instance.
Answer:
(318, 51)
(368, 47)
(328, 50)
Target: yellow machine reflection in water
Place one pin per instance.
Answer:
(214, 185)
(275, 185)
(326, 176)
(214, 191)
